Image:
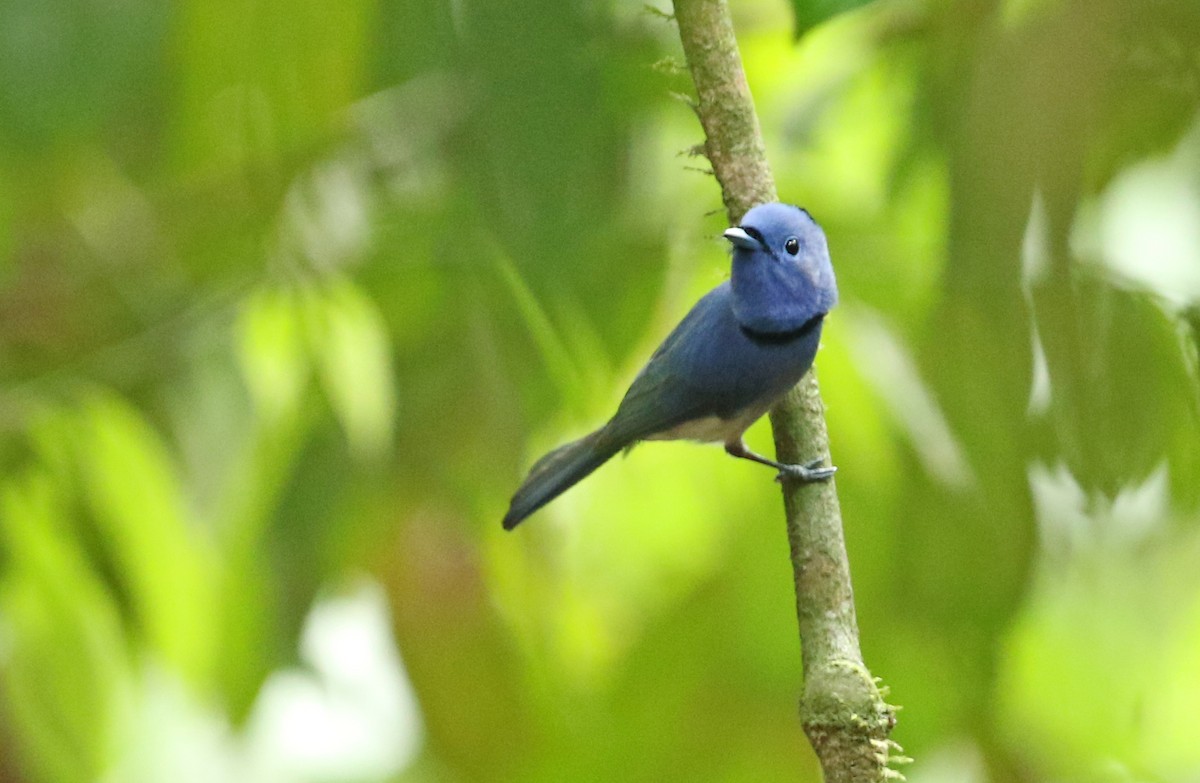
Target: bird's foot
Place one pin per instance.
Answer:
(807, 473)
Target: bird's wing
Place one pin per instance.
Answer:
(665, 393)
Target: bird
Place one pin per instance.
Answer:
(740, 348)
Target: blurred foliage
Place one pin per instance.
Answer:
(292, 292)
(810, 13)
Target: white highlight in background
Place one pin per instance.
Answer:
(352, 715)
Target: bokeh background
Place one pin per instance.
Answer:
(292, 293)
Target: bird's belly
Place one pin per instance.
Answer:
(710, 429)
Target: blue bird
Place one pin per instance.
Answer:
(734, 355)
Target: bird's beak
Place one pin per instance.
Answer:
(738, 236)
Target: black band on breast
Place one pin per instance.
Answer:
(779, 338)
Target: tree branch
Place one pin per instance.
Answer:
(842, 709)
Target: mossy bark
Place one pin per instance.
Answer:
(842, 709)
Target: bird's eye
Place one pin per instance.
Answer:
(792, 246)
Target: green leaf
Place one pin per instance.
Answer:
(270, 344)
(1121, 400)
(810, 13)
(551, 345)
(64, 676)
(350, 346)
(166, 564)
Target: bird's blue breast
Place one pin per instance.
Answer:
(733, 367)
(711, 366)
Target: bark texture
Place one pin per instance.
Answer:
(842, 708)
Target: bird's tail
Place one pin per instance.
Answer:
(557, 472)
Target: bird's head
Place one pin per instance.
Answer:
(782, 276)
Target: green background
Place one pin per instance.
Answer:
(292, 293)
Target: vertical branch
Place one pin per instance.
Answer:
(732, 140)
(842, 710)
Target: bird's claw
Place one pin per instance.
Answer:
(808, 473)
